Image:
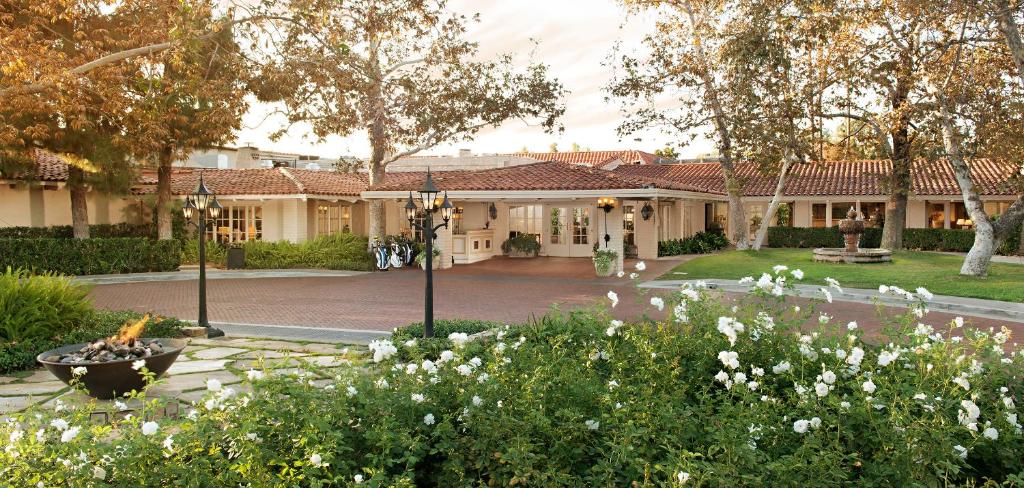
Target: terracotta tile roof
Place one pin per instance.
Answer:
(593, 158)
(262, 181)
(48, 167)
(551, 176)
(839, 178)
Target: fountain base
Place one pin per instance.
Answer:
(860, 256)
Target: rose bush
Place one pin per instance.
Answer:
(758, 392)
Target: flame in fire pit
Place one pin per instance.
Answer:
(130, 332)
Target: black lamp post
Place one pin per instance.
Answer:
(203, 204)
(428, 199)
(606, 204)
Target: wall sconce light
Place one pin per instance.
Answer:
(606, 204)
(493, 211)
(647, 211)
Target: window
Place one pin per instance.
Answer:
(840, 209)
(559, 224)
(994, 209)
(237, 223)
(716, 216)
(629, 225)
(457, 221)
(333, 219)
(960, 217)
(525, 219)
(581, 226)
(936, 215)
(818, 212)
(874, 214)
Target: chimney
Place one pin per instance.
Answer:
(465, 153)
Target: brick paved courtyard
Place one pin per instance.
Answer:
(500, 289)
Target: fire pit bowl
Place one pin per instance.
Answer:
(114, 378)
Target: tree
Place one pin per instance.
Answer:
(668, 152)
(978, 109)
(401, 71)
(49, 106)
(187, 99)
(682, 64)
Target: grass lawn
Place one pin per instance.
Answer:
(939, 273)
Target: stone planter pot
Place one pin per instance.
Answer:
(436, 263)
(113, 378)
(606, 271)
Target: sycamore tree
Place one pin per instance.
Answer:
(402, 72)
(975, 80)
(47, 106)
(185, 99)
(677, 87)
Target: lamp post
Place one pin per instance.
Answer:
(428, 200)
(202, 203)
(606, 204)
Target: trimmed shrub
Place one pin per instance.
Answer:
(65, 231)
(91, 256)
(336, 251)
(521, 244)
(699, 243)
(705, 394)
(21, 355)
(216, 253)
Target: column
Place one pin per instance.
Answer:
(293, 224)
(614, 230)
(443, 243)
(646, 233)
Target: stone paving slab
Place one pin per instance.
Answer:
(216, 352)
(192, 381)
(13, 404)
(201, 366)
(270, 355)
(38, 388)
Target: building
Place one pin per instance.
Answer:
(555, 201)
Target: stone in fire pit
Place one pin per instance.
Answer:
(109, 363)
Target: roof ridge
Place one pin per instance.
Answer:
(290, 176)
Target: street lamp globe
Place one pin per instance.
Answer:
(189, 209)
(410, 209)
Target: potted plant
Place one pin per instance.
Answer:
(436, 262)
(521, 246)
(604, 262)
(236, 256)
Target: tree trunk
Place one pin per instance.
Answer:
(899, 183)
(164, 226)
(1012, 34)
(1020, 244)
(773, 206)
(980, 256)
(738, 232)
(79, 207)
(376, 207)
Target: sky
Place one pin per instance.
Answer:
(575, 37)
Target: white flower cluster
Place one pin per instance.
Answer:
(382, 350)
(731, 328)
(802, 426)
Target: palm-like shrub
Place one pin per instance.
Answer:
(40, 306)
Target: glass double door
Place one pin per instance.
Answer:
(571, 231)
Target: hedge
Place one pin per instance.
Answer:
(65, 231)
(699, 243)
(91, 256)
(951, 240)
(337, 251)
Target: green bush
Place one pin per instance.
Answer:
(90, 256)
(337, 251)
(948, 240)
(699, 243)
(705, 394)
(216, 253)
(16, 356)
(444, 327)
(39, 306)
(521, 244)
(65, 231)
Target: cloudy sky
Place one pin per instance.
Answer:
(575, 37)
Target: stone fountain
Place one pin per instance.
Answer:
(851, 228)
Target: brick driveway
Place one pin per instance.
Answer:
(500, 289)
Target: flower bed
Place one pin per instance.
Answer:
(707, 394)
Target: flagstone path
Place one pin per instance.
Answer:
(224, 359)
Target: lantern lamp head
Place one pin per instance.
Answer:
(428, 193)
(189, 208)
(202, 195)
(493, 211)
(606, 203)
(410, 209)
(446, 209)
(647, 211)
(215, 208)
